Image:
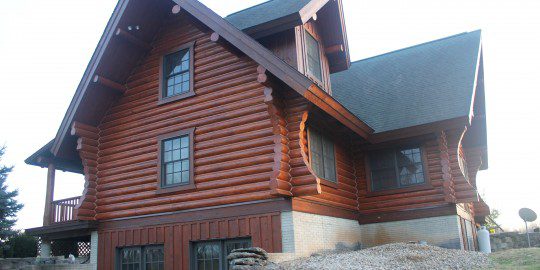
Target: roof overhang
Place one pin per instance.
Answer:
(114, 59)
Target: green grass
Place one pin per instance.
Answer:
(525, 258)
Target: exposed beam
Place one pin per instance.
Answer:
(109, 84)
(132, 39)
(176, 9)
(49, 195)
(214, 37)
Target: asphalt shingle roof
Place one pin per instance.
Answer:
(265, 12)
(422, 84)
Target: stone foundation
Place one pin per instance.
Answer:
(304, 234)
(442, 231)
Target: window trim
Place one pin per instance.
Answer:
(417, 187)
(324, 181)
(142, 248)
(164, 100)
(306, 57)
(178, 187)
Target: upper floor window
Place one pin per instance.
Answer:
(313, 57)
(176, 159)
(176, 74)
(143, 258)
(396, 168)
(322, 155)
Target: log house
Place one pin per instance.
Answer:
(195, 132)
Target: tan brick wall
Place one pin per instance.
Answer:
(304, 234)
(442, 231)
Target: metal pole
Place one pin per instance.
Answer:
(527, 231)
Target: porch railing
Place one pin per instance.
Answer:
(62, 210)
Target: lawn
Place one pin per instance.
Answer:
(525, 258)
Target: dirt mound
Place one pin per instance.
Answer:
(394, 256)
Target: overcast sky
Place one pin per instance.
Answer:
(44, 50)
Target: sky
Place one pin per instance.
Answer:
(44, 50)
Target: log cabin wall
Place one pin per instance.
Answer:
(429, 195)
(463, 186)
(305, 184)
(233, 140)
(263, 230)
(283, 45)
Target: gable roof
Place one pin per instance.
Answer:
(260, 13)
(109, 59)
(426, 83)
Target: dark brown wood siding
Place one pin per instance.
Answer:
(428, 196)
(234, 147)
(263, 230)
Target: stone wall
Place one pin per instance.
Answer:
(509, 240)
(304, 234)
(42, 264)
(442, 231)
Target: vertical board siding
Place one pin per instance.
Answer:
(264, 231)
(234, 147)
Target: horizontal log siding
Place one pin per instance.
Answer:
(428, 197)
(304, 181)
(464, 189)
(264, 231)
(234, 147)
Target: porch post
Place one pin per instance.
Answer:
(49, 195)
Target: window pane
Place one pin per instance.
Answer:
(154, 258)
(175, 161)
(176, 65)
(410, 166)
(329, 160)
(313, 57)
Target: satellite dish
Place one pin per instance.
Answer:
(527, 214)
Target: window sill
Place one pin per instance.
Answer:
(174, 189)
(165, 100)
(425, 186)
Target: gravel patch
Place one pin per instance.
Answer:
(394, 256)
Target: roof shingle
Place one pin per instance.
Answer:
(422, 84)
(265, 12)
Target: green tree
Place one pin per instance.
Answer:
(8, 204)
(491, 219)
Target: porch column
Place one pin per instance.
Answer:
(49, 195)
(94, 249)
(45, 250)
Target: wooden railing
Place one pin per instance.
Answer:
(62, 210)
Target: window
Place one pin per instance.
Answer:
(176, 74)
(323, 161)
(313, 57)
(143, 258)
(213, 255)
(396, 168)
(176, 159)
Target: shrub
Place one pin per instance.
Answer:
(21, 246)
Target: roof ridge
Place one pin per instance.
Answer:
(242, 10)
(416, 45)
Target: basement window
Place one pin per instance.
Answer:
(143, 258)
(176, 74)
(396, 168)
(176, 161)
(322, 155)
(212, 255)
(313, 57)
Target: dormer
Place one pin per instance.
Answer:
(309, 35)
